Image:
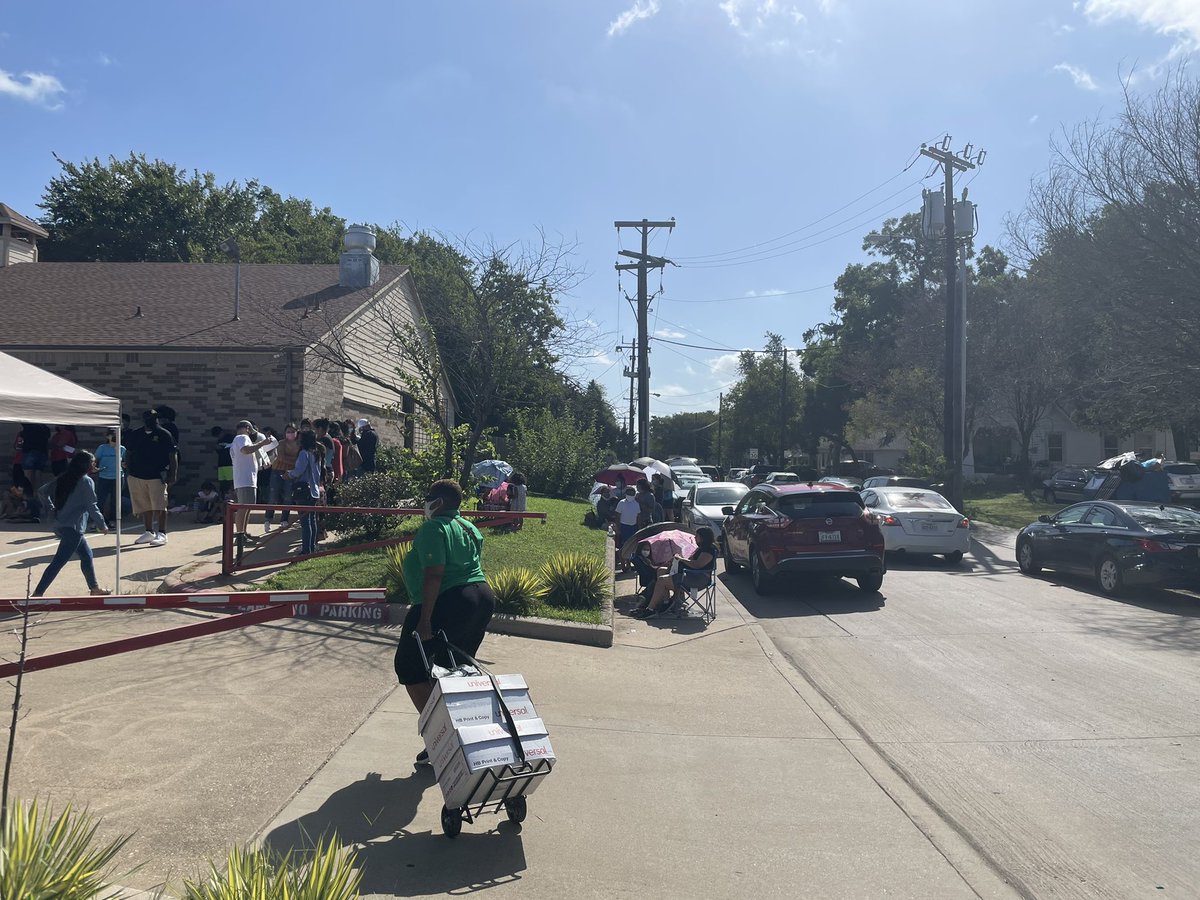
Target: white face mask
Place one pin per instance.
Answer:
(431, 506)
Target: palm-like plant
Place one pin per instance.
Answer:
(324, 873)
(574, 580)
(52, 857)
(516, 590)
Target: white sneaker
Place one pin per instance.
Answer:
(146, 537)
(266, 527)
(159, 540)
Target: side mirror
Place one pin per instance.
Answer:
(687, 503)
(727, 510)
(1049, 520)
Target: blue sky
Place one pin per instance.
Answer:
(745, 120)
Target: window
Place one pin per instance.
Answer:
(1054, 445)
(409, 408)
(1112, 445)
(1102, 515)
(1072, 515)
(820, 504)
(752, 504)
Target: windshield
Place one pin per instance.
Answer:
(687, 479)
(1172, 518)
(783, 478)
(720, 496)
(898, 498)
(820, 504)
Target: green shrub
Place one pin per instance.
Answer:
(52, 857)
(375, 489)
(557, 455)
(325, 873)
(574, 581)
(516, 590)
(394, 573)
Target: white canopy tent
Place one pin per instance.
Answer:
(30, 394)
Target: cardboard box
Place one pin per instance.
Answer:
(459, 702)
(468, 752)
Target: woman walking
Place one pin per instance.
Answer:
(307, 477)
(71, 500)
(446, 587)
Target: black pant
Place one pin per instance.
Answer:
(462, 613)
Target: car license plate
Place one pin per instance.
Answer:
(829, 537)
(930, 526)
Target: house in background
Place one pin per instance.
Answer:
(18, 237)
(183, 335)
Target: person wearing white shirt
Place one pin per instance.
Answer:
(243, 452)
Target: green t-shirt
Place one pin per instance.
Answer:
(449, 541)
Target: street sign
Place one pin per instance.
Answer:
(752, 453)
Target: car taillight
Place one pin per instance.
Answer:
(964, 522)
(1153, 546)
(780, 522)
(881, 519)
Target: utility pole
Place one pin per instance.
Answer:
(783, 407)
(720, 409)
(645, 262)
(953, 411)
(631, 374)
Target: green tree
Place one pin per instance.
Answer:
(685, 433)
(764, 405)
(557, 454)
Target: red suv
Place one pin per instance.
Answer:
(817, 529)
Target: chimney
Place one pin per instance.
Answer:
(357, 267)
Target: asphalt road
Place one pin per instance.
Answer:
(1057, 730)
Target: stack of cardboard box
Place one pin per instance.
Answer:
(466, 733)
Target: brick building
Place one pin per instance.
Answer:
(219, 343)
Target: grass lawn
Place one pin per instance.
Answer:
(1009, 510)
(562, 531)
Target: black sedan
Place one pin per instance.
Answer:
(1066, 485)
(1117, 543)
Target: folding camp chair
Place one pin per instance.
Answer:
(702, 599)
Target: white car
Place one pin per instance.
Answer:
(1184, 478)
(916, 520)
(703, 503)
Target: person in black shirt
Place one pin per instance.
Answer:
(224, 438)
(36, 455)
(368, 443)
(152, 463)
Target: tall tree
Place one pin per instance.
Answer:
(764, 405)
(685, 433)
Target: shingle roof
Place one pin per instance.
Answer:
(186, 305)
(8, 214)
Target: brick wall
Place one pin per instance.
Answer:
(205, 389)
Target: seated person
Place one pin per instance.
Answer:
(14, 504)
(647, 572)
(692, 571)
(207, 503)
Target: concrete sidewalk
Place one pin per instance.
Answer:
(692, 762)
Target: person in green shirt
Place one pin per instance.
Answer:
(447, 588)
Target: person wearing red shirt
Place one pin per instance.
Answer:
(62, 448)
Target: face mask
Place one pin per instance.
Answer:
(290, 435)
(431, 506)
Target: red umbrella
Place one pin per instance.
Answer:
(621, 472)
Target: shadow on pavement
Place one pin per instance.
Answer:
(373, 815)
(817, 596)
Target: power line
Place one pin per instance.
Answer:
(811, 290)
(855, 227)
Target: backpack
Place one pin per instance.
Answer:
(351, 457)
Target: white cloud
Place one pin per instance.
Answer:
(105, 60)
(599, 358)
(1033, 119)
(668, 333)
(33, 87)
(1171, 17)
(726, 365)
(673, 390)
(770, 292)
(641, 9)
(1082, 79)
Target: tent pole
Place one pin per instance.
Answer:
(117, 519)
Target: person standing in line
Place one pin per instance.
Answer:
(71, 500)
(625, 515)
(518, 494)
(224, 461)
(280, 490)
(338, 463)
(62, 447)
(110, 459)
(18, 465)
(448, 591)
(368, 443)
(646, 503)
(306, 476)
(152, 466)
(36, 459)
(243, 450)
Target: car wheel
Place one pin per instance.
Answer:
(731, 565)
(1026, 561)
(1108, 576)
(870, 583)
(954, 558)
(758, 574)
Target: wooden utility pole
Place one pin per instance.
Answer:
(645, 262)
(720, 410)
(783, 408)
(953, 412)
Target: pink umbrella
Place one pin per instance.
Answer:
(666, 540)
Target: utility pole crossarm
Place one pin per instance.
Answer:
(643, 223)
(654, 262)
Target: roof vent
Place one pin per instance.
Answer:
(357, 267)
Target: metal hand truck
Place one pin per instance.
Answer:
(505, 789)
